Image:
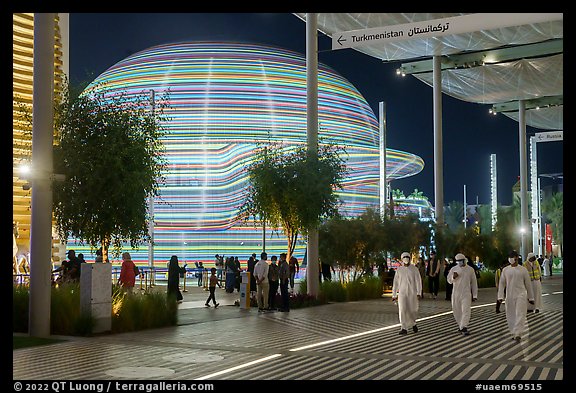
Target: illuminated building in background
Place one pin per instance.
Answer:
(421, 207)
(224, 98)
(493, 191)
(22, 79)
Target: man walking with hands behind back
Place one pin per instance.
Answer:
(407, 287)
(464, 292)
(516, 287)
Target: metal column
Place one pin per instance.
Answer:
(312, 268)
(383, 183)
(524, 225)
(438, 166)
(42, 140)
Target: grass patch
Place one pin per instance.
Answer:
(26, 341)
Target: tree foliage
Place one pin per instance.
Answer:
(109, 148)
(365, 241)
(291, 190)
(483, 218)
(553, 209)
(492, 247)
(454, 216)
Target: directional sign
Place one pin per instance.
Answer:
(436, 28)
(549, 136)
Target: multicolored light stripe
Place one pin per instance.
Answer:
(225, 97)
(420, 207)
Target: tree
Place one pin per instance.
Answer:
(292, 191)
(484, 218)
(108, 146)
(366, 240)
(417, 195)
(454, 215)
(340, 242)
(553, 209)
(398, 194)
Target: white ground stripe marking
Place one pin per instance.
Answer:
(559, 374)
(559, 355)
(529, 372)
(228, 370)
(390, 371)
(378, 368)
(344, 338)
(527, 350)
(480, 371)
(423, 371)
(407, 371)
(497, 372)
(462, 373)
(551, 349)
(544, 373)
(512, 374)
(439, 371)
(339, 339)
(355, 367)
(299, 366)
(318, 365)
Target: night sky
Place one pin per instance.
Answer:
(470, 134)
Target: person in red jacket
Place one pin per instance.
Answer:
(127, 274)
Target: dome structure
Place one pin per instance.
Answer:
(224, 98)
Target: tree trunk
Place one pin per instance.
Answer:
(292, 236)
(105, 244)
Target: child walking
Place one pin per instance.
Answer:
(212, 288)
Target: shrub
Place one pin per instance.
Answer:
(65, 316)
(138, 311)
(301, 300)
(297, 300)
(129, 312)
(20, 300)
(367, 287)
(333, 291)
(65, 309)
(486, 279)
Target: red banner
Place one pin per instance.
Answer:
(548, 239)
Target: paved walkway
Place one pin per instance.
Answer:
(339, 341)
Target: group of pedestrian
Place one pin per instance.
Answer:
(270, 277)
(266, 279)
(519, 286)
(233, 269)
(70, 268)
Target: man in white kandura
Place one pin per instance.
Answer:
(535, 273)
(464, 292)
(407, 287)
(516, 287)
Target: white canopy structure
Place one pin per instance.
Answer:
(499, 66)
(513, 61)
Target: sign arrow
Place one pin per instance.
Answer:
(549, 136)
(437, 28)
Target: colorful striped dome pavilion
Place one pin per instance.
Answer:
(224, 97)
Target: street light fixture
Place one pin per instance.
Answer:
(28, 173)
